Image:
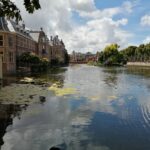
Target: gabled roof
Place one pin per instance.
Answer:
(12, 26)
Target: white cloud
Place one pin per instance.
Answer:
(146, 40)
(98, 33)
(145, 20)
(83, 5)
(127, 7)
(99, 29)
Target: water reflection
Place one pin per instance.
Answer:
(110, 111)
(7, 113)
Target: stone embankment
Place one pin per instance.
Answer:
(146, 64)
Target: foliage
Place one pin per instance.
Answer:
(92, 63)
(32, 60)
(9, 9)
(139, 54)
(111, 56)
(59, 61)
(29, 58)
(67, 58)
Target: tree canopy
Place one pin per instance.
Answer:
(9, 9)
(111, 56)
(140, 53)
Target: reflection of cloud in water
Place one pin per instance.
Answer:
(55, 124)
(64, 120)
(88, 82)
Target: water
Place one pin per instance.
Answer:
(110, 110)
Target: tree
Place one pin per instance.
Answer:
(111, 56)
(140, 53)
(110, 50)
(130, 53)
(9, 9)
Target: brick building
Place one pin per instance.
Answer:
(42, 42)
(57, 49)
(16, 39)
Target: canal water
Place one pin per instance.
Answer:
(93, 109)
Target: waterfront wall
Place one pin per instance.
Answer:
(138, 64)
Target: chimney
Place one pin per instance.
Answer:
(23, 25)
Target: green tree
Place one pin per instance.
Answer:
(9, 9)
(111, 56)
(140, 53)
(130, 53)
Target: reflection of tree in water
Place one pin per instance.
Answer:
(54, 75)
(144, 71)
(111, 75)
(113, 70)
(111, 80)
(7, 113)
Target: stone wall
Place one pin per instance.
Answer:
(138, 64)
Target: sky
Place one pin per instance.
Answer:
(90, 25)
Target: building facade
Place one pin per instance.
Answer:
(42, 42)
(57, 49)
(16, 39)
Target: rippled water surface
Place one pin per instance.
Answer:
(107, 109)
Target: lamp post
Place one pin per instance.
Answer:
(1, 67)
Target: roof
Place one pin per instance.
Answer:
(12, 26)
(3, 24)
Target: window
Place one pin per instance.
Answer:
(1, 54)
(11, 59)
(10, 41)
(1, 40)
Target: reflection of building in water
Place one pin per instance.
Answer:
(7, 112)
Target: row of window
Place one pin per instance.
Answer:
(8, 57)
(27, 43)
(20, 42)
(1, 40)
(10, 41)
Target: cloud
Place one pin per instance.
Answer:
(146, 40)
(83, 5)
(99, 28)
(127, 7)
(96, 34)
(145, 20)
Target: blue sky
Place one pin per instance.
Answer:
(90, 25)
(141, 8)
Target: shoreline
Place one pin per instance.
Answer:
(144, 64)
